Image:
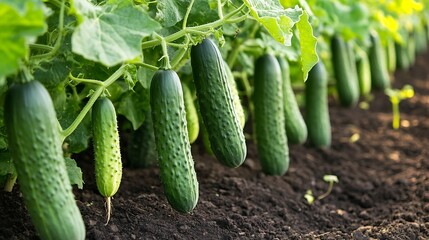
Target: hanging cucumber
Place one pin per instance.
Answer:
(235, 97)
(347, 83)
(175, 161)
(108, 164)
(217, 105)
(296, 130)
(141, 148)
(402, 58)
(191, 114)
(269, 116)
(36, 149)
(364, 73)
(411, 44)
(377, 59)
(316, 107)
(390, 55)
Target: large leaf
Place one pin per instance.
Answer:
(111, 33)
(277, 20)
(134, 105)
(20, 22)
(307, 44)
(171, 12)
(74, 172)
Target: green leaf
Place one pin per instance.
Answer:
(202, 13)
(74, 172)
(171, 12)
(52, 73)
(6, 164)
(330, 179)
(111, 34)
(134, 105)
(3, 137)
(20, 22)
(277, 20)
(308, 44)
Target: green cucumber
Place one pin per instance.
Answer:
(377, 59)
(269, 116)
(296, 130)
(191, 114)
(411, 44)
(108, 164)
(175, 161)
(217, 105)
(364, 73)
(402, 58)
(390, 55)
(317, 108)
(36, 149)
(141, 148)
(346, 79)
(235, 97)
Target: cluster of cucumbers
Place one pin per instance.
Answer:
(175, 120)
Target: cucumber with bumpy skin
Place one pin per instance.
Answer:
(36, 149)
(390, 55)
(108, 164)
(316, 107)
(296, 130)
(191, 114)
(346, 80)
(217, 105)
(364, 73)
(175, 161)
(377, 60)
(235, 96)
(269, 116)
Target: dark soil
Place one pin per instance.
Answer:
(383, 191)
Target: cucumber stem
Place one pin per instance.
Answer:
(108, 210)
(188, 11)
(66, 132)
(8, 187)
(227, 19)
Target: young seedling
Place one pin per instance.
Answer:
(395, 96)
(330, 179)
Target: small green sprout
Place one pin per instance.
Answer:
(395, 96)
(331, 179)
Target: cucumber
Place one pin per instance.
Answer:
(364, 73)
(191, 114)
(390, 55)
(316, 108)
(377, 59)
(36, 149)
(402, 58)
(420, 38)
(296, 130)
(269, 116)
(141, 148)
(175, 161)
(235, 96)
(217, 105)
(346, 79)
(411, 44)
(108, 164)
